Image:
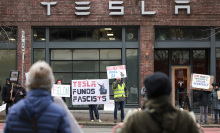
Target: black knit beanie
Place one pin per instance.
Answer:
(157, 84)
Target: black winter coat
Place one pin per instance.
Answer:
(203, 98)
(6, 93)
(16, 93)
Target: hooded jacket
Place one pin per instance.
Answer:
(6, 92)
(171, 119)
(50, 117)
(214, 99)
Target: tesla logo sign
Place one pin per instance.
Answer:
(83, 7)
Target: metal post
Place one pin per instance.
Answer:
(23, 49)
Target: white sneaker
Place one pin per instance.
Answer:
(92, 120)
(99, 120)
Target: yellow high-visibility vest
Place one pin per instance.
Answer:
(119, 91)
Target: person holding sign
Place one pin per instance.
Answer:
(38, 112)
(120, 92)
(59, 82)
(203, 105)
(19, 92)
(95, 109)
(216, 101)
(6, 94)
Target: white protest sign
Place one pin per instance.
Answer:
(2, 107)
(116, 72)
(60, 90)
(200, 81)
(94, 91)
(110, 106)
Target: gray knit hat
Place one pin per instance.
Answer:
(40, 76)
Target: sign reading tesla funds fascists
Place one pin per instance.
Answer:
(60, 90)
(95, 91)
(116, 72)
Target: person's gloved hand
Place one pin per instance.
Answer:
(3, 102)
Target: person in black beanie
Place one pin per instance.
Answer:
(6, 94)
(159, 114)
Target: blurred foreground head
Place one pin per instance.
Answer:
(157, 84)
(40, 76)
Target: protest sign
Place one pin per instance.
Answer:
(116, 72)
(110, 106)
(2, 107)
(94, 91)
(218, 94)
(60, 90)
(201, 81)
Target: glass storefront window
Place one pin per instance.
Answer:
(61, 55)
(39, 54)
(218, 65)
(161, 63)
(61, 66)
(39, 34)
(131, 34)
(110, 54)
(79, 34)
(8, 63)
(84, 54)
(180, 57)
(200, 61)
(8, 34)
(92, 34)
(86, 66)
(183, 33)
(110, 34)
(132, 75)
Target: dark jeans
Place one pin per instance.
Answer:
(217, 113)
(8, 105)
(121, 103)
(95, 108)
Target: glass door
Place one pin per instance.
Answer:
(180, 85)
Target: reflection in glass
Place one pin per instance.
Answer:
(191, 33)
(61, 66)
(104, 64)
(85, 75)
(39, 34)
(110, 54)
(39, 54)
(131, 34)
(92, 35)
(180, 57)
(86, 54)
(161, 63)
(79, 34)
(132, 75)
(61, 55)
(8, 63)
(110, 34)
(86, 66)
(200, 61)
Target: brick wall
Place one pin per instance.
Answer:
(27, 13)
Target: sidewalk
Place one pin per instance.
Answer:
(107, 117)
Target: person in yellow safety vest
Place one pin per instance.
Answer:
(120, 92)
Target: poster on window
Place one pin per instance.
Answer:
(60, 90)
(94, 91)
(201, 81)
(116, 72)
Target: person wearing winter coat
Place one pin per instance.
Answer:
(37, 113)
(159, 115)
(19, 92)
(6, 95)
(215, 104)
(203, 105)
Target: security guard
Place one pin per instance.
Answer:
(120, 92)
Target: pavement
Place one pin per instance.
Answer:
(107, 117)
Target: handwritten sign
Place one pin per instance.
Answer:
(110, 106)
(94, 91)
(60, 90)
(116, 72)
(2, 107)
(201, 81)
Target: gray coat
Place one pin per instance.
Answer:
(214, 99)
